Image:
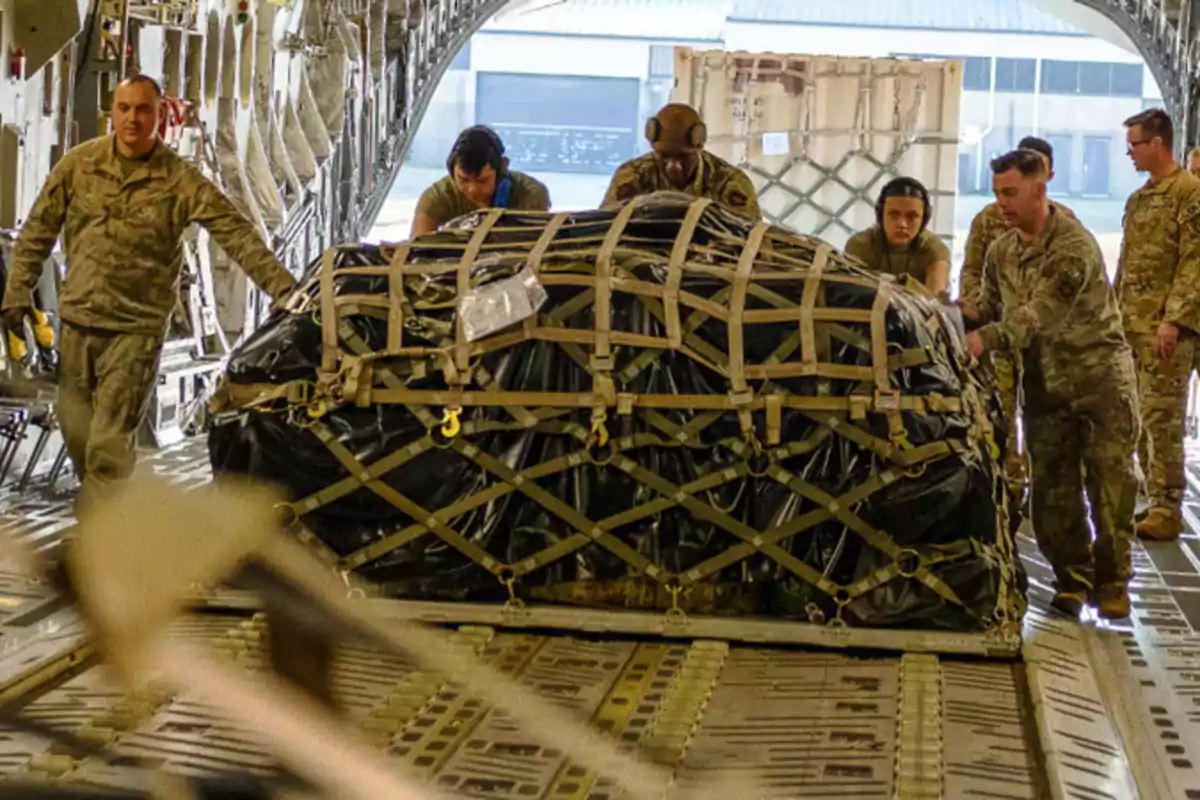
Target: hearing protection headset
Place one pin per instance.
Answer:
(696, 136)
(904, 187)
(495, 158)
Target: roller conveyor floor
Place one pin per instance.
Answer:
(1088, 710)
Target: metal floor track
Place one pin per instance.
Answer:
(1090, 711)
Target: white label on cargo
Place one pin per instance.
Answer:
(775, 143)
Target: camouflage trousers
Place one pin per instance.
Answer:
(104, 383)
(1008, 383)
(1079, 449)
(1162, 396)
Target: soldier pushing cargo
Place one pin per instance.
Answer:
(479, 178)
(122, 202)
(900, 243)
(678, 162)
(1157, 284)
(986, 228)
(1045, 295)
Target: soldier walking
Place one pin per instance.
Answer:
(1157, 284)
(122, 202)
(1045, 297)
(678, 162)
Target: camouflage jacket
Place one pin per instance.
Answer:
(986, 228)
(1158, 275)
(715, 179)
(1051, 300)
(444, 201)
(122, 237)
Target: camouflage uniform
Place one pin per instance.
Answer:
(871, 248)
(715, 178)
(1158, 280)
(1050, 300)
(986, 228)
(444, 201)
(122, 221)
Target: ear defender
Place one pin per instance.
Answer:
(697, 134)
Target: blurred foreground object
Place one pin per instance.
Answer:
(143, 550)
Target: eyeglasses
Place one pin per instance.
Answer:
(1130, 145)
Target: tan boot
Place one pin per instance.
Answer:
(1069, 604)
(1160, 525)
(1112, 601)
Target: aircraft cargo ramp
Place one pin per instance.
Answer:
(1084, 711)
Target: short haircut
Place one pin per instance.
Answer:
(476, 147)
(1195, 151)
(1030, 163)
(1154, 122)
(1040, 145)
(141, 77)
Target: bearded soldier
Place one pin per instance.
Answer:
(679, 162)
(479, 178)
(1046, 298)
(1158, 284)
(987, 226)
(122, 202)
(900, 243)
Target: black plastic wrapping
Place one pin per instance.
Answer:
(950, 502)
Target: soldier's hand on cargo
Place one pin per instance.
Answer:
(14, 319)
(1168, 337)
(970, 311)
(974, 343)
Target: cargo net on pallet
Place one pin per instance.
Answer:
(704, 416)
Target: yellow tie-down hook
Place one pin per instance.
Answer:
(450, 423)
(599, 429)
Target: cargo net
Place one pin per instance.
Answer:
(661, 407)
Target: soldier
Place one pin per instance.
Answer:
(678, 162)
(1047, 298)
(900, 242)
(479, 178)
(122, 201)
(987, 226)
(1194, 161)
(1157, 279)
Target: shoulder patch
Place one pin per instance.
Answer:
(1069, 282)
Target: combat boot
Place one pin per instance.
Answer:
(1112, 601)
(1069, 603)
(1160, 524)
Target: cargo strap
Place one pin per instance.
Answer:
(351, 373)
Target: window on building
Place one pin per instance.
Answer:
(662, 61)
(462, 61)
(1095, 80)
(1060, 77)
(1016, 74)
(977, 73)
(1092, 78)
(1127, 80)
